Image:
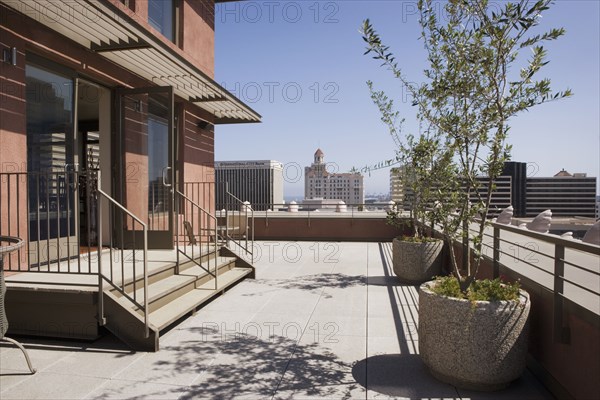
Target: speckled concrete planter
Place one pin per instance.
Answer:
(481, 347)
(416, 262)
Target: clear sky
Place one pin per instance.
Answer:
(300, 64)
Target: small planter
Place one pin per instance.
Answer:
(417, 262)
(480, 346)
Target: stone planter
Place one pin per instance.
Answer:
(417, 262)
(481, 346)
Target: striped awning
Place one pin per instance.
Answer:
(107, 30)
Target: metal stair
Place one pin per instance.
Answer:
(171, 296)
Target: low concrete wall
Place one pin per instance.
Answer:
(324, 228)
(566, 369)
(70, 314)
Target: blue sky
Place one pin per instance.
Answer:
(300, 64)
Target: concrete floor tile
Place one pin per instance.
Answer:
(42, 354)
(390, 326)
(209, 318)
(177, 363)
(344, 326)
(95, 363)
(377, 346)
(237, 303)
(245, 367)
(403, 376)
(289, 326)
(330, 383)
(45, 385)
(309, 329)
(122, 389)
(350, 305)
(10, 378)
(325, 370)
(346, 349)
(526, 388)
(316, 392)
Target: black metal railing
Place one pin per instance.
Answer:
(196, 235)
(56, 214)
(60, 215)
(127, 262)
(569, 268)
(236, 225)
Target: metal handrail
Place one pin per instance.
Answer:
(249, 250)
(200, 230)
(101, 275)
(555, 267)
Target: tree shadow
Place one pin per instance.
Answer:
(401, 375)
(258, 366)
(313, 283)
(385, 281)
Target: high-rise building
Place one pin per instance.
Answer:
(567, 195)
(258, 182)
(322, 184)
(396, 185)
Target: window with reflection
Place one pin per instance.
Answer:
(49, 153)
(161, 16)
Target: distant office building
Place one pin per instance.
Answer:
(396, 185)
(321, 184)
(567, 195)
(259, 182)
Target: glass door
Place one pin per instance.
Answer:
(51, 162)
(146, 170)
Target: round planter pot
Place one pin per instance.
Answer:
(480, 346)
(417, 262)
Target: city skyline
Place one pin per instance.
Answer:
(315, 95)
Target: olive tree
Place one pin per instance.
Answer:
(473, 87)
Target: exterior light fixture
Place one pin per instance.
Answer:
(10, 55)
(206, 126)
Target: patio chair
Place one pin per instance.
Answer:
(14, 244)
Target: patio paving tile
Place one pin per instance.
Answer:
(334, 324)
(122, 389)
(47, 385)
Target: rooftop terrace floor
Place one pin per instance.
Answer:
(322, 320)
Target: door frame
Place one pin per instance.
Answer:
(157, 239)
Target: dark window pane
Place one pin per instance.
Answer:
(160, 17)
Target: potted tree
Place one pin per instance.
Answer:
(417, 257)
(473, 333)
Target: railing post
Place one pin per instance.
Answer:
(101, 318)
(177, 232)
(466, 253)
(496, 252)
(561, 332)
(146, 312)
(216, 250)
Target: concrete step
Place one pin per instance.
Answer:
(170, 287)
(205, 255)
(171, 296)
(189, 302)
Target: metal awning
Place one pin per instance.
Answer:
(107, 30)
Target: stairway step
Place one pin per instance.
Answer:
(171, 312)
(188, 265)
(156, 273)
(170, 287)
